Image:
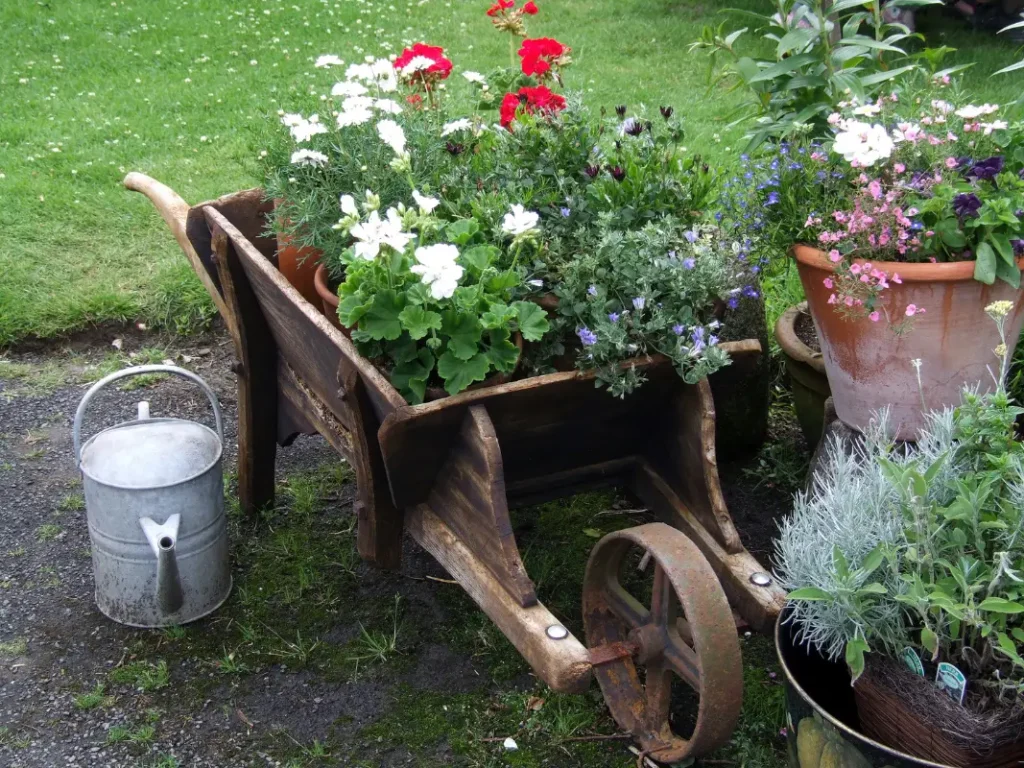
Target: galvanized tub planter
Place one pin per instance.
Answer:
(821, 715)
(154, 496)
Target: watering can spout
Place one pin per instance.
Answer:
(162, 538)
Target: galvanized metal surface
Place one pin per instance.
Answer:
(154, 500)
(688, 631)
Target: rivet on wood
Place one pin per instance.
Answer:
(557, 632)
(760, 579)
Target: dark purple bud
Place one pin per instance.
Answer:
(617, 172)
(666, 112)
(453, 148)
(966, 205)
(621, 110)
(633, 127)
(592, 171)
(1018, 247)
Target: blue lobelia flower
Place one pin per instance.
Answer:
(587, 336)
(613, 317)
(639, 302)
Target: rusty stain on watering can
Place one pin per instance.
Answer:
(154, 496)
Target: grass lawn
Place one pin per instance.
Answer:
(172, 88)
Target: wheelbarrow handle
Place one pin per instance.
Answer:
(139, 371)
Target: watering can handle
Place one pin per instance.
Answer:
(138, 371)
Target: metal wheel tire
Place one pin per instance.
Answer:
(687, 631)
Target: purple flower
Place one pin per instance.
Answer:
(639, 302)
(587, 336)
(750, 292)
(712, 340)
(1018, 246)
(773, 198)
(617, 172)
(966, 205)
(1021, 174)
(678, 329)
(592, 171)
(986, 170)
(697, 335)
(592, 290)
(671, 254)
(566, 212)
(613, 317)
(689, 262)
(733, 302)
(691, 236)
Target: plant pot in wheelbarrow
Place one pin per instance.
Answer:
(329, 299)
(891, 718)
(795, 334)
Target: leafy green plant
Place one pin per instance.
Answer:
(823, 53)
(144, 675)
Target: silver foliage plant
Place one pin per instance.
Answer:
(839, 526)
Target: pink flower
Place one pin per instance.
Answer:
(896, 278)
(835, 255)
(951, 136)
(828, 282)
(912, 310)
(848, 301)
(855, 269)
(832, 299)
(875, 188)
(818, 157)
(899, 167)
(874, 316)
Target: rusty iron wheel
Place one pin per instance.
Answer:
(688, 631)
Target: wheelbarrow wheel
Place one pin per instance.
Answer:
(687, 632)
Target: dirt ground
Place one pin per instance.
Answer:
(316, 659)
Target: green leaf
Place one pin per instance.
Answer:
(351, 309)
(533, 321)
(461, 232)
(502, 281)
(381, 319)
(410, 378)
(502, 353)
(874, 588)
(809, 593)
(1008, 274)
(880, 77)
(479, 257)
(1012, 67)
(985, 264)
(1000, 605)
(793, 40)
(949, 232)
(419, 321)
(459, 374)
(499, 315)
(463, 331)
(855, 649)
(872, 560)
(839, 561)
(784, 67)
(930, 642)
(403, 350)
(1003, 248)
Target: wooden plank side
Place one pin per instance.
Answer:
(305, 338)
(564, 665)
(246, 210)
(469, 496)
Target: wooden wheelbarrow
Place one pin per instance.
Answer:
(447, 472)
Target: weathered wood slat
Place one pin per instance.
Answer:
(319, 416)
(759, 606)
(246, 210)
(469, 497)
(256, 369)
(536, 490)
(564, 665)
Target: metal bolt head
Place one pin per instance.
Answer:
(557, 632)
(760, 579)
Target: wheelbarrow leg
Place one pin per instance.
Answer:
(256, 369)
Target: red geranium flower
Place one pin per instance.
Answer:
(540, 54)
(439, 68)
(530, 8)
(498, 7)
(530, 101)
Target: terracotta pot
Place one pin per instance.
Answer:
(328, 299)
(807, 378)
(869, 366)
(298, 264)
(437, 393)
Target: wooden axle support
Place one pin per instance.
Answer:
(447, 471)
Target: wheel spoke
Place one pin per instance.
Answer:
(683, 660)
(663, 599)
(658, 695)
(625, 606)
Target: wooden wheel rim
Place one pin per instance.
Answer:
(615, 619)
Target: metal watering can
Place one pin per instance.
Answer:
(154, 498)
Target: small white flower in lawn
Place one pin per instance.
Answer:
(474, 77)
(391, 133)
(424, 203)
(309, 157)
(253, 62)
(348, 205)
(462, 124)
(388, 106)
(510, 744)
(519, 221)
(438, 269)
(376, 232)
(348, 88)
(328, 60)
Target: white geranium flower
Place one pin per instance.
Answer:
(462, 124)
(437, 268)
(348, 205)
(388, 106)
(391, 133)
(328, 60)
(970, 112)
(348, 88)
(417, 64)
(474, 77)
(307, 129)
(309, 157)
(861, 144)
(519, 221)
(424, 203)
(376, 232)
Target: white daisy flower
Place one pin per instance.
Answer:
(391, 133)
(354, 117)
(438, 269)
(353, 103)
(309, 157)
(462, 124)
(519, 221)
(307, 129)
(328, 60)
(348, 88)
(388, 106)
(474, 77)
(417, 64)
(970, 111)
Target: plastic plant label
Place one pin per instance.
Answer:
(912, 660)
(951, 680)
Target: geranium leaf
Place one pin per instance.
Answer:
(459, 374)
(502, 353)
(498, 316)
(410, 378)
(479, 257)
(461, 232)
(381, 319)
(463, 331)
(351, 309)
(533, 321)
(419, 321)
(502, 281)
(403, 350)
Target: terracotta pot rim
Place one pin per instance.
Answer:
(322, 288)
(836, 723)
(950, 271)
(791, 344)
